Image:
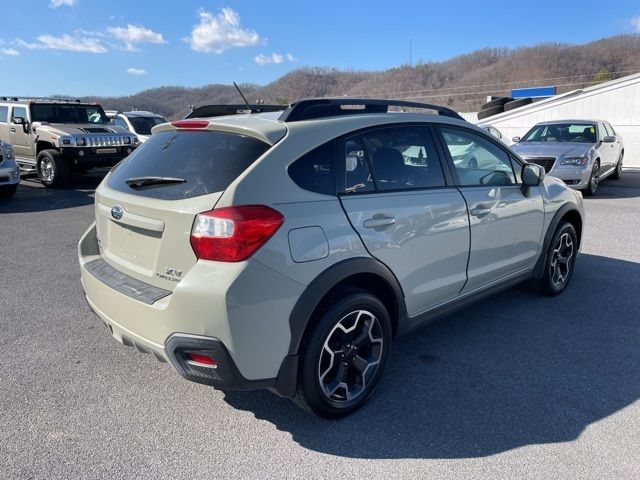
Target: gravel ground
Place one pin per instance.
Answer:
(517, 386)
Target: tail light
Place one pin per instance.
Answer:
(233, 234)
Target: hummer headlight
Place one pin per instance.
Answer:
(81, 142)
(127, 140)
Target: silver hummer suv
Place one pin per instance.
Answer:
(57, 137)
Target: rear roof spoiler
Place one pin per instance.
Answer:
(219, 110)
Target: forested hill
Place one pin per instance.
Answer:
(462, 82)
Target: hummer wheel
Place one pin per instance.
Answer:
(53, 169)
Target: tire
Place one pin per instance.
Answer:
(498, 102)
(489, 112)
(558, 262)
(594, 180)
(521, 102)
(334, 389)
(617, 173)
(53, 170)
(8, 192)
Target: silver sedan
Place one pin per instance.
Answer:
(9, 171)
(581, 153)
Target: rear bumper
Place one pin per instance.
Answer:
(240, 315)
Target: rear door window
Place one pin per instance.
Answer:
(403, 158)
(357, 176)
(4, 113)
(204, 161)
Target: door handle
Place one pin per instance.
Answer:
(481, 210)
(13, 130)
(378, 222)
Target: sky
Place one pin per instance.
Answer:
(119, 47)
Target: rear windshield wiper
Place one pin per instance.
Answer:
(137, 182)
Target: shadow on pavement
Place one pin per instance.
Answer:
(627, 187)
(516, 369)
(32, 196)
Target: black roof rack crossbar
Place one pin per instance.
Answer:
(332, 107)
(207, 111)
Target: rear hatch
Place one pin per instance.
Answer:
(145, 208)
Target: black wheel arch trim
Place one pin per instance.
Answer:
(538, 270)
(329, 278)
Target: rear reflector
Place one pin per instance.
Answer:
(233, 234)
(190, 124)
(201, 359)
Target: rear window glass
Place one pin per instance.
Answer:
(205, 162)
(4, 113)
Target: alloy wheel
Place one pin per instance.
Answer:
(594, 180)
(350, 356)
(561, 260)
(47, 171)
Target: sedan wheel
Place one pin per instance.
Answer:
(594, 180)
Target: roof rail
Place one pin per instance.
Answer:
(39, 99)
(311, 108)
(218, 110)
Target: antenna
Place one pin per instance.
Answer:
(243, 97)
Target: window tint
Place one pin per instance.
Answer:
(403, 157)
(4, 113)
(315, 171)
(562, 132)
(357, 174)
(208, 161)
(19, 112)
(143, 125)
(478, 161)
(121, 123)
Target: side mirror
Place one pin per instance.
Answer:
(19, 121)
(515, 139)
(532, 175)
(609, 139)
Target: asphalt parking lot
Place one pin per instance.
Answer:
(517, 386)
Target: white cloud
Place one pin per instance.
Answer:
(136, 71)
(274, 58)
(9, 51)
(77, 43)
(60, 3)
(216, 33)
(635, 23)
(133, 34)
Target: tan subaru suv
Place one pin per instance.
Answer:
(287, 250)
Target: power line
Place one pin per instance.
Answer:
(486, 92)
(498, 84)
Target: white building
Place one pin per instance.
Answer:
(617, 101)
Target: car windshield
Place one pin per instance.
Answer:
(68, 113)
(143, 125)
(562, 132)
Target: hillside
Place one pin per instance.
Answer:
(462, 82)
